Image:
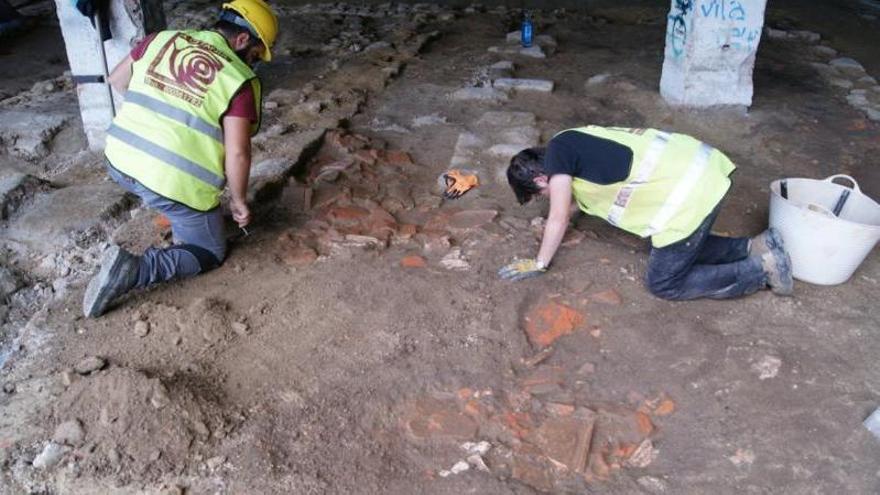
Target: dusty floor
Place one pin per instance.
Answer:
(313, 361)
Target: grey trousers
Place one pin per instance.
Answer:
(199, 241)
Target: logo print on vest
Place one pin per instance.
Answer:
(185, 67)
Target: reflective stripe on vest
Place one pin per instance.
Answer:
(171, 158)
(648, 165)
(682, 191)
(168, 134)
(174, 113)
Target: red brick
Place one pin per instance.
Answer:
(548, 321)
(471, 219)
(413, 261)
(397, 157)
(436, 419)
(567, 440)
(532, 472)
(561, 410)
(665, 408)
(347, 215)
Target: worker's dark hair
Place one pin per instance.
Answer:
(524, 167)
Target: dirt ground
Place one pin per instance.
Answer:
(359, 340)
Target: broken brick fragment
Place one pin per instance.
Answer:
(665, 408)
(550, 320)
(413, 261)
(161, 222)
(436, 419)
(397, 157)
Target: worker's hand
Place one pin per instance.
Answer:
(240, 212)
(521, 269)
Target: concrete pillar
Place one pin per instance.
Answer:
(130, 20)
(710, 51)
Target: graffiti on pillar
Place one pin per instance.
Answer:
(723, 9)
(677, 27)
(739, 32)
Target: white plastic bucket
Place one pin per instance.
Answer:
(825, 249)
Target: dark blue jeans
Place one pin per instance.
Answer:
(704, 265)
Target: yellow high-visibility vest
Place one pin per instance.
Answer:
(674, 183)
(168, 135)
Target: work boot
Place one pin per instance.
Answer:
(762, 243)
(777, 266)
(119, 271)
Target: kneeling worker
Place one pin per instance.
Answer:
(192, 103)
(663, 186)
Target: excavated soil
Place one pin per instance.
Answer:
(358, 339)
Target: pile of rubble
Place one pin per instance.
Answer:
(358, 197)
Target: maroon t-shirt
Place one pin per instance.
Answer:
(242, 104)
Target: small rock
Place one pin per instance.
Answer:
(742, 457)
(767, 367)
(428, 120)
(598, 79)
(806, 36)
(454, 261)
(775, 34)
(459, 467)
(478, 448)
(652, 484)
(826, 51)
(477, 462)
(240, 328)
(479, 94)
(270, 105)
(847, 65)
(50, 456)
(536, 85)
(644, 455)
(159, 399)
(215, 462)
(90, 365)
(9, 388)
(67, 378)
(141, 328)
(69, 433)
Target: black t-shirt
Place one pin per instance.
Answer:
(594, 159)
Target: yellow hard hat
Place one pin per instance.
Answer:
(261, 18)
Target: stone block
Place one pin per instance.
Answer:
(54, 217)
(16, 187)
(28, 134)
(710, 52)
(495, 120)
(848, 66)
(479, 94)
(536, 85)
(506, 151)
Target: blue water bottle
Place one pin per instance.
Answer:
(526, 30)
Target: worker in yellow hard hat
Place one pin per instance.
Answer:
(182, 136)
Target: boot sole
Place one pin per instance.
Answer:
(99, 288)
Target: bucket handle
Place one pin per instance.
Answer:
(854, 186)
